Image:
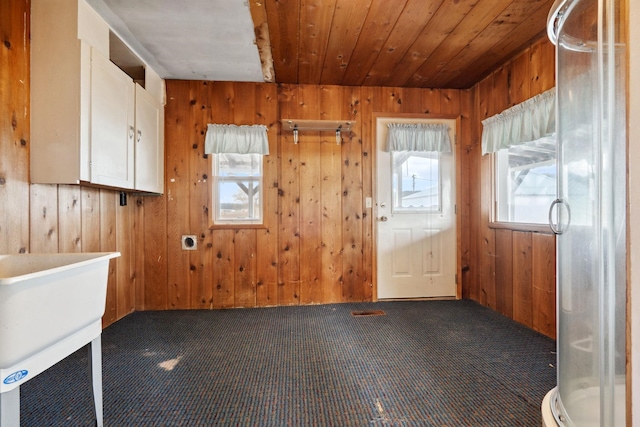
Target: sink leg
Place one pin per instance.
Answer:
(10, 408)
(95, 351)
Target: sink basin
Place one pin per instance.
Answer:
(50, 306)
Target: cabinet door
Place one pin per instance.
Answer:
(112, 124)
(149, 145)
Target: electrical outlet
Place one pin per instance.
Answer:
(189, 242)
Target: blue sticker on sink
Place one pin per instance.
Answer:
(16, 376)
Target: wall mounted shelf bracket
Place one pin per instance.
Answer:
(337, 126)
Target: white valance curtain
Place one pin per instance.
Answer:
(236, 139)
(418, 137)
(528, 121)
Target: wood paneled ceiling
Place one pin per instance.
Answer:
(404, 43)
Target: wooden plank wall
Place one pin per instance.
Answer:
(316, 244)
(509, 270)
(53, 218)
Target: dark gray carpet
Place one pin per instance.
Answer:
(424, 363)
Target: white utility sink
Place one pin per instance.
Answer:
(50, 306)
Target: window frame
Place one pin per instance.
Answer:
(494, 223)
(217, 222)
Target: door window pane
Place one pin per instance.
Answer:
(415, 181)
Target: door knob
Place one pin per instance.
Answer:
(384, 218)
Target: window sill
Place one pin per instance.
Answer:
(237, 226)
(519, 226)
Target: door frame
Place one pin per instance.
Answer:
(374, 189)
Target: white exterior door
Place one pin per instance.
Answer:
(415, 217)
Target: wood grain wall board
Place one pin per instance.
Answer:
(108, 243)
(43, 215)
(411, 100)
(463, 207)
(202, 287)
(154, 252)
(430, 101)
(139, 247)
(471, 278)
(125, 288)
(200, 168)
(504, 272)
(317, 16)
(444, 21)
(378, 25)
(330, 197)
(245, 268)
(500, 98)
(519, 86)
(223, 252)
(544, 283)
(346, 28)
(267, 237)
(474, 271)
(483, 14)
(352, 205)
(541, 57)
(14, 128)
(289, 202)
(282, 17)
(522, 276)
(310, 180)
(90, 219)
(130, 235)
(463, 168)
(487, 290)
(177, 186)
(450, 100)
(411, 23)
(388, 100)
(311, 217)
(69, 219)
(364, 113)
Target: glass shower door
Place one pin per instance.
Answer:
(590, 214)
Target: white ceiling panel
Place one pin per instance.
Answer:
(189, 39)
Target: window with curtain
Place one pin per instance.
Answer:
(522, 141)
(237, 172)
(415, 165)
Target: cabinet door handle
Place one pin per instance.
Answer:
(131, 131)
(139, 135)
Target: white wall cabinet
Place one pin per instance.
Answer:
(149, 142)
(112, 131)
(90, 123)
